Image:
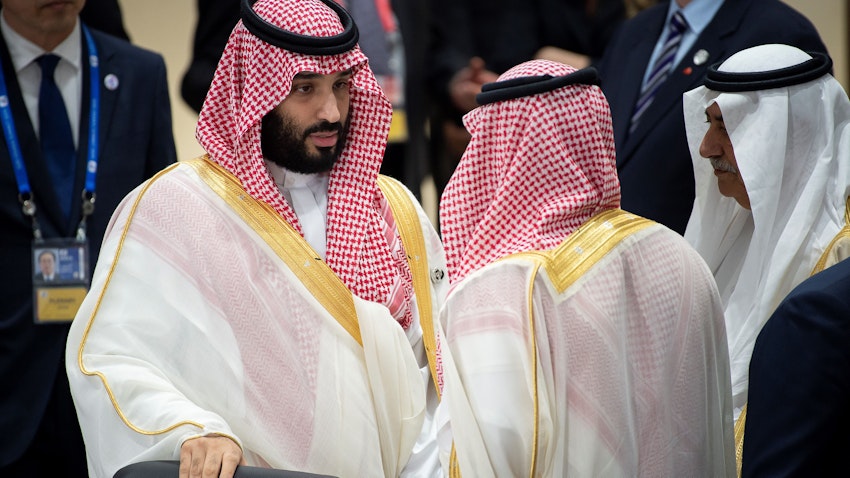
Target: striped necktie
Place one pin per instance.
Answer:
(662, 68)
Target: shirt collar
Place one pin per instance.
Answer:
(24, 52)
(286, 179)
(698, 13)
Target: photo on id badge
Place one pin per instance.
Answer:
(60, 279)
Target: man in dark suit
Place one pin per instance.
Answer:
(654, 163)
(39, 434)
(797, 415)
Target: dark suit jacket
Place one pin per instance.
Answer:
(136, 141)
(216, 19)
(40, 277)
(797, 413)
(505, 33)
(413, 18)
(654, 163)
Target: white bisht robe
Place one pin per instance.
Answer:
(200, 322)
(605, 357)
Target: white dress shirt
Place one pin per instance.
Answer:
(308, 196)
(68, 75)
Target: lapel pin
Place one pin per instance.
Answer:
(700, 57)
(687, 71)
(111, 82)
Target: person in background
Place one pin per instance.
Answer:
(86, 119)
(273, 303)
(770, 134)
(468, 47)
(215, 22)
(104, 15)
(582, 339)
(645, 70)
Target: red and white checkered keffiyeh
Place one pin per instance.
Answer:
(252, 78)
(536, 168)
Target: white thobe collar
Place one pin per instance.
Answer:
(312, 215)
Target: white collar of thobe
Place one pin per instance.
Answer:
(318, 183)
(312, 215)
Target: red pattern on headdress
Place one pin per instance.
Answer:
(536, 169)
(252, 78)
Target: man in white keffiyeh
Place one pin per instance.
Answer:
(584, 340)
(770, 138)
(271, 303)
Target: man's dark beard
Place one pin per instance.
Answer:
(284, 145)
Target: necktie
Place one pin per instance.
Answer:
(57, 143)
(662, 68)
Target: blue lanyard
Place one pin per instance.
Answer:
(24, 191)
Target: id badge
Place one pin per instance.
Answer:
(60, 279)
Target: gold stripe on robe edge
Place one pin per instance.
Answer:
(410, 230)
(533, 334)
(262, 218)
(582, 249)
(96, 308)
(565, 264)
(287, 244)
(843, 233)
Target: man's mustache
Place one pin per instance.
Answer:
(323, 127)
(723, 165)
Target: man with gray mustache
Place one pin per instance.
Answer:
(771, 201)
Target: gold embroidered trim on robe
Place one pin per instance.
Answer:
(410, 230)
(828, 258)
(565, 264)
(277, 233)
(286, 242)
(570, 260)
(97, 308)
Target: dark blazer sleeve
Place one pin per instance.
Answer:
(799, 390)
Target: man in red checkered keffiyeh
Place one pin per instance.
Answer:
(582, 340)
(534, 171)
(253, 78)
(273, 303)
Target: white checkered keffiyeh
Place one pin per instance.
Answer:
(536, 168)
(252, 78)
